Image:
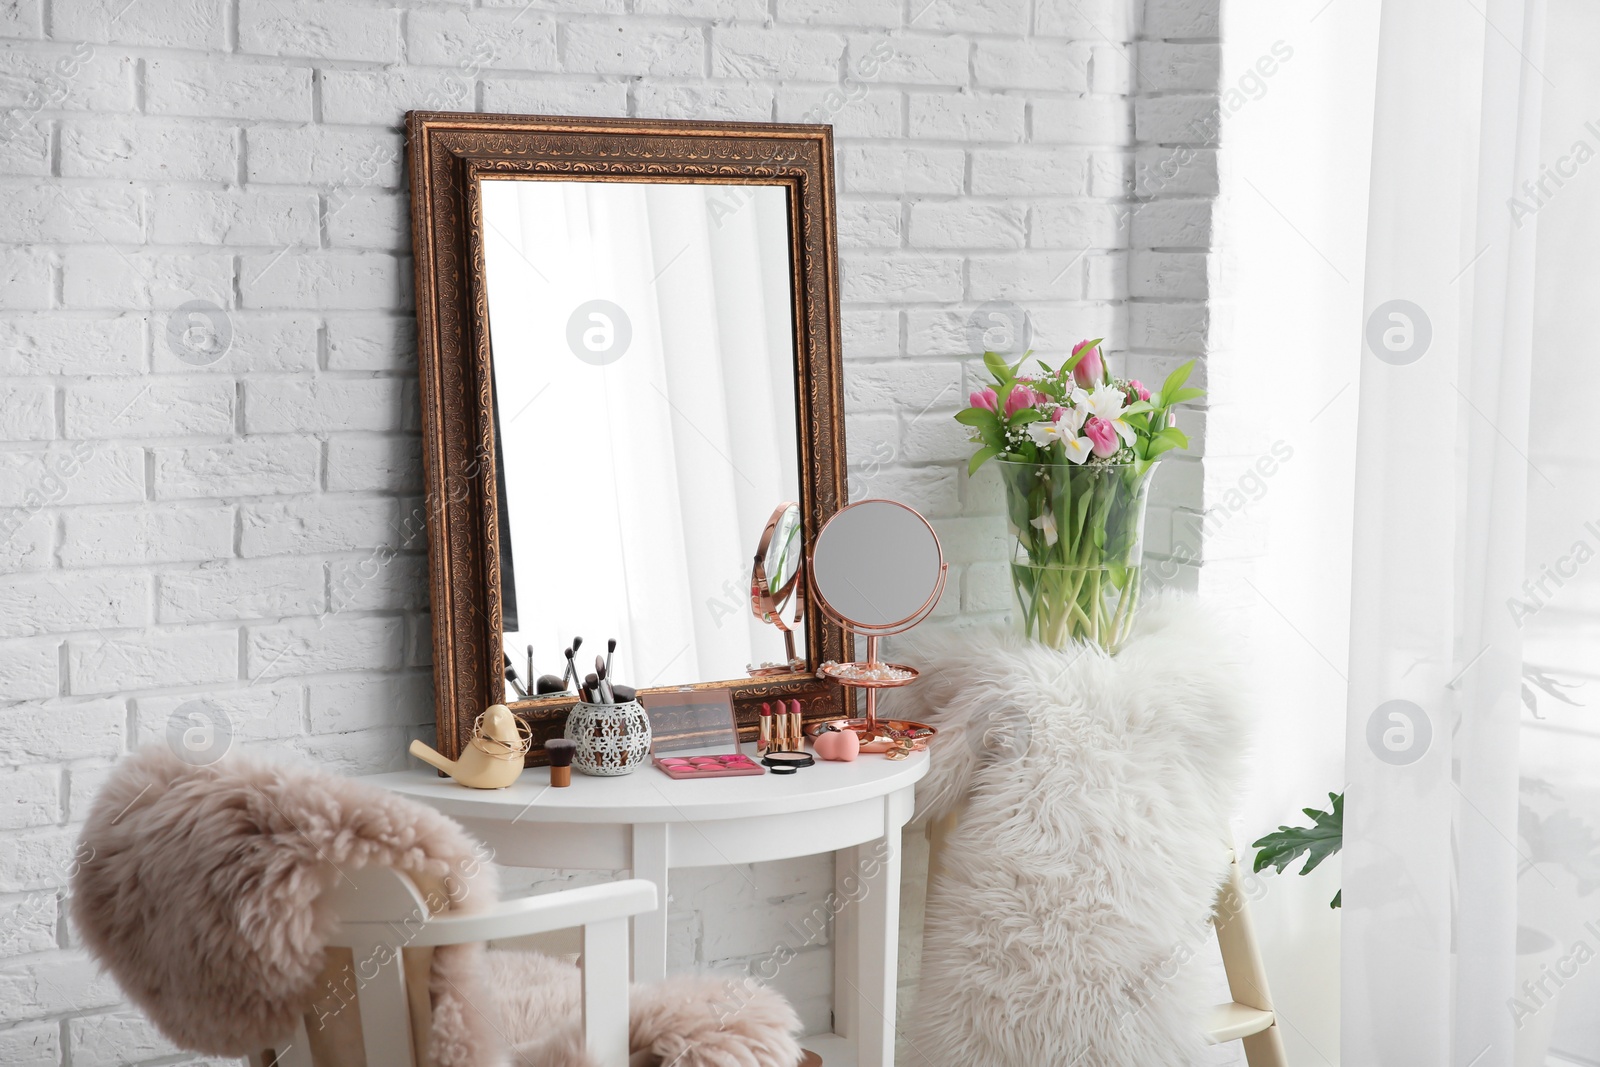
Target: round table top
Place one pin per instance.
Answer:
(649, 796)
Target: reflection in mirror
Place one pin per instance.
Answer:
(643, 351)
(781, 561)
(877, 566)
(775, 584)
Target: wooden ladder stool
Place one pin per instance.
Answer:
(1249, 1017)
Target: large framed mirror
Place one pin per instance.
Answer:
(628, 342)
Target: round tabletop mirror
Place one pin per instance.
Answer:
(877, 567)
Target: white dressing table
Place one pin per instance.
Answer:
(650, 824)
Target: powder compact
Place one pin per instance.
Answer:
(788, 762)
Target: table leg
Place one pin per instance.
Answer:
(867, 945)
(650, 928)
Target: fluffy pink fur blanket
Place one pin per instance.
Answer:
(205, 897)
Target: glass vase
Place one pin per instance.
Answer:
(1079, 533)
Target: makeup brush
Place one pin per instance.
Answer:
(591, 688)
(560, 751)
(606, 695)
(511, 676)
(611, 646)
(623, 693)
(549, 683)
(529, 675)
(570, 672)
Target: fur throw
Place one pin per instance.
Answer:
(202, 891)
(1093, 839)
(685, 1021)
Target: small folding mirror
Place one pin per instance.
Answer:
(775, 583)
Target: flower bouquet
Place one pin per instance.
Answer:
(1076, 449)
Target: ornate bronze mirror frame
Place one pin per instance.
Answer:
(448, 155)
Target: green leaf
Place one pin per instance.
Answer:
(1175, 382)
(996, 363)
(1169, 438)
(1138, 407)
(979, 458)
(1182, 396)
(1025, 416)
(976, 417)
(1338, 900)
(1316, 842)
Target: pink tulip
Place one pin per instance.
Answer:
(986, 399)
(1102, 435)
(1021, 397)
(1090, 370)
(1138, 391)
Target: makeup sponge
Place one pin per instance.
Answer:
(841, 746)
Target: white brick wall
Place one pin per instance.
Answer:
(186, 523)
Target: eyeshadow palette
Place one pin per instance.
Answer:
(693, 734)
(727, 765)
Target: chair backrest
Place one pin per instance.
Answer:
(380, 956)
(375, 1003)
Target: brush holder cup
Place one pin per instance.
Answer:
(612, 739)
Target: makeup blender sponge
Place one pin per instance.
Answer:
(842, 746)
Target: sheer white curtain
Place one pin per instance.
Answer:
(1431, 835)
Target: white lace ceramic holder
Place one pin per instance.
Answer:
(612, 739)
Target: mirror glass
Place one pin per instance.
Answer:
(782, 562)
(643, 347)
(877, 564)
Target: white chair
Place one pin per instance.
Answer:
(386, 925)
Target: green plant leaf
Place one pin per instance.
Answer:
(1182, 396)
(1338, 900)
(1025, 416)
(976, 417)
(1315, 842)
(979, 458)
(1175, 382)
(1169, 438)
(997, 366)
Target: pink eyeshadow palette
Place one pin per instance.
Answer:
(729, 765)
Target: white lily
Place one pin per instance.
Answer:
(1107, 403)
(1047, 523)
(1066, 426)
